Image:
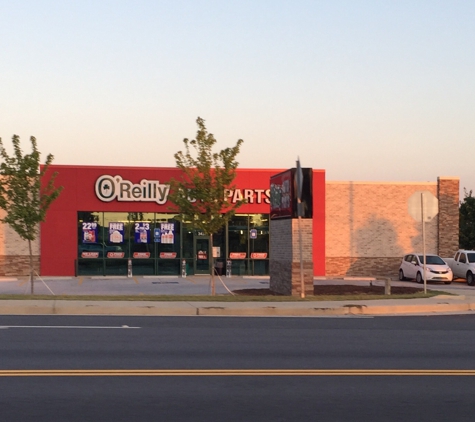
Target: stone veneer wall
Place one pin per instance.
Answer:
(368, 227)
(14, 266)
(284, 266)
(14, 254)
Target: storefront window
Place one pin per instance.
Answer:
(90, 235)
(219, 242)
(116, 250)
(238, 229)
(140, 235)
(90, 242)
(187, 241)
(238, 253)
(259, 243)
(167, 241)
(115, 225)
(259, 234)
(168, 230)
(157, 244)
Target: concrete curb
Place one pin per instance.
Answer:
(348, 310)
(79, 307)
(143, 308)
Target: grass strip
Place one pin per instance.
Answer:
(220, 298)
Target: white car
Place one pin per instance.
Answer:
(412, 268)
(463, 265)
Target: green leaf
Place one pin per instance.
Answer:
(199, 194)
(26, 190)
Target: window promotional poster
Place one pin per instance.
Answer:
(116, 232)
(167, 233)
(142, 232)
(89, 232)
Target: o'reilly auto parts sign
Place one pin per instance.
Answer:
(109, 188)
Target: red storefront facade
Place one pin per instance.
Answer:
(105, 197)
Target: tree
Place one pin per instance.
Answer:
(23, 196)
(467, 221)
(200, 194)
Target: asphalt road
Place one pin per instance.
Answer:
(236, 369)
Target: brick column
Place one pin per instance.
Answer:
(448, 195)
(284, 267)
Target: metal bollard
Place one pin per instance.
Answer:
(387, 286)
(228, 268)
(129, 268)
(183, 268)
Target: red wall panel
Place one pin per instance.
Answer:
(319, 222)
(59, 231)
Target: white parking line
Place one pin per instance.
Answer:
(65, 326)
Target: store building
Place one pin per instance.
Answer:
(109, 217)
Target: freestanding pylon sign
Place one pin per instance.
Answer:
(299, 184)
(291, 232)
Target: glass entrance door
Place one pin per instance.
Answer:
(201, 255)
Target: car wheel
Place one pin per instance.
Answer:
(470, 279)
(419, 278)
(401, 276)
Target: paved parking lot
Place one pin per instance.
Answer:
(166, 285)
(193, 285)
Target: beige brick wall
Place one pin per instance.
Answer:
(369, 229)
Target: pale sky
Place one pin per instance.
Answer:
(367, 90)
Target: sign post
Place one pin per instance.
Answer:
(299, 183)
(423, 241)
(423, 207)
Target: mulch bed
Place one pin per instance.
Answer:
(338, 290)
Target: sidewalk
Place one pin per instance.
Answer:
(460, 301)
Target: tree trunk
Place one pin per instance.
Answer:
(31, 268)
(213, 288)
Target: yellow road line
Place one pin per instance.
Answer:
(232, 372)
(135, 280)
(80, 280)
